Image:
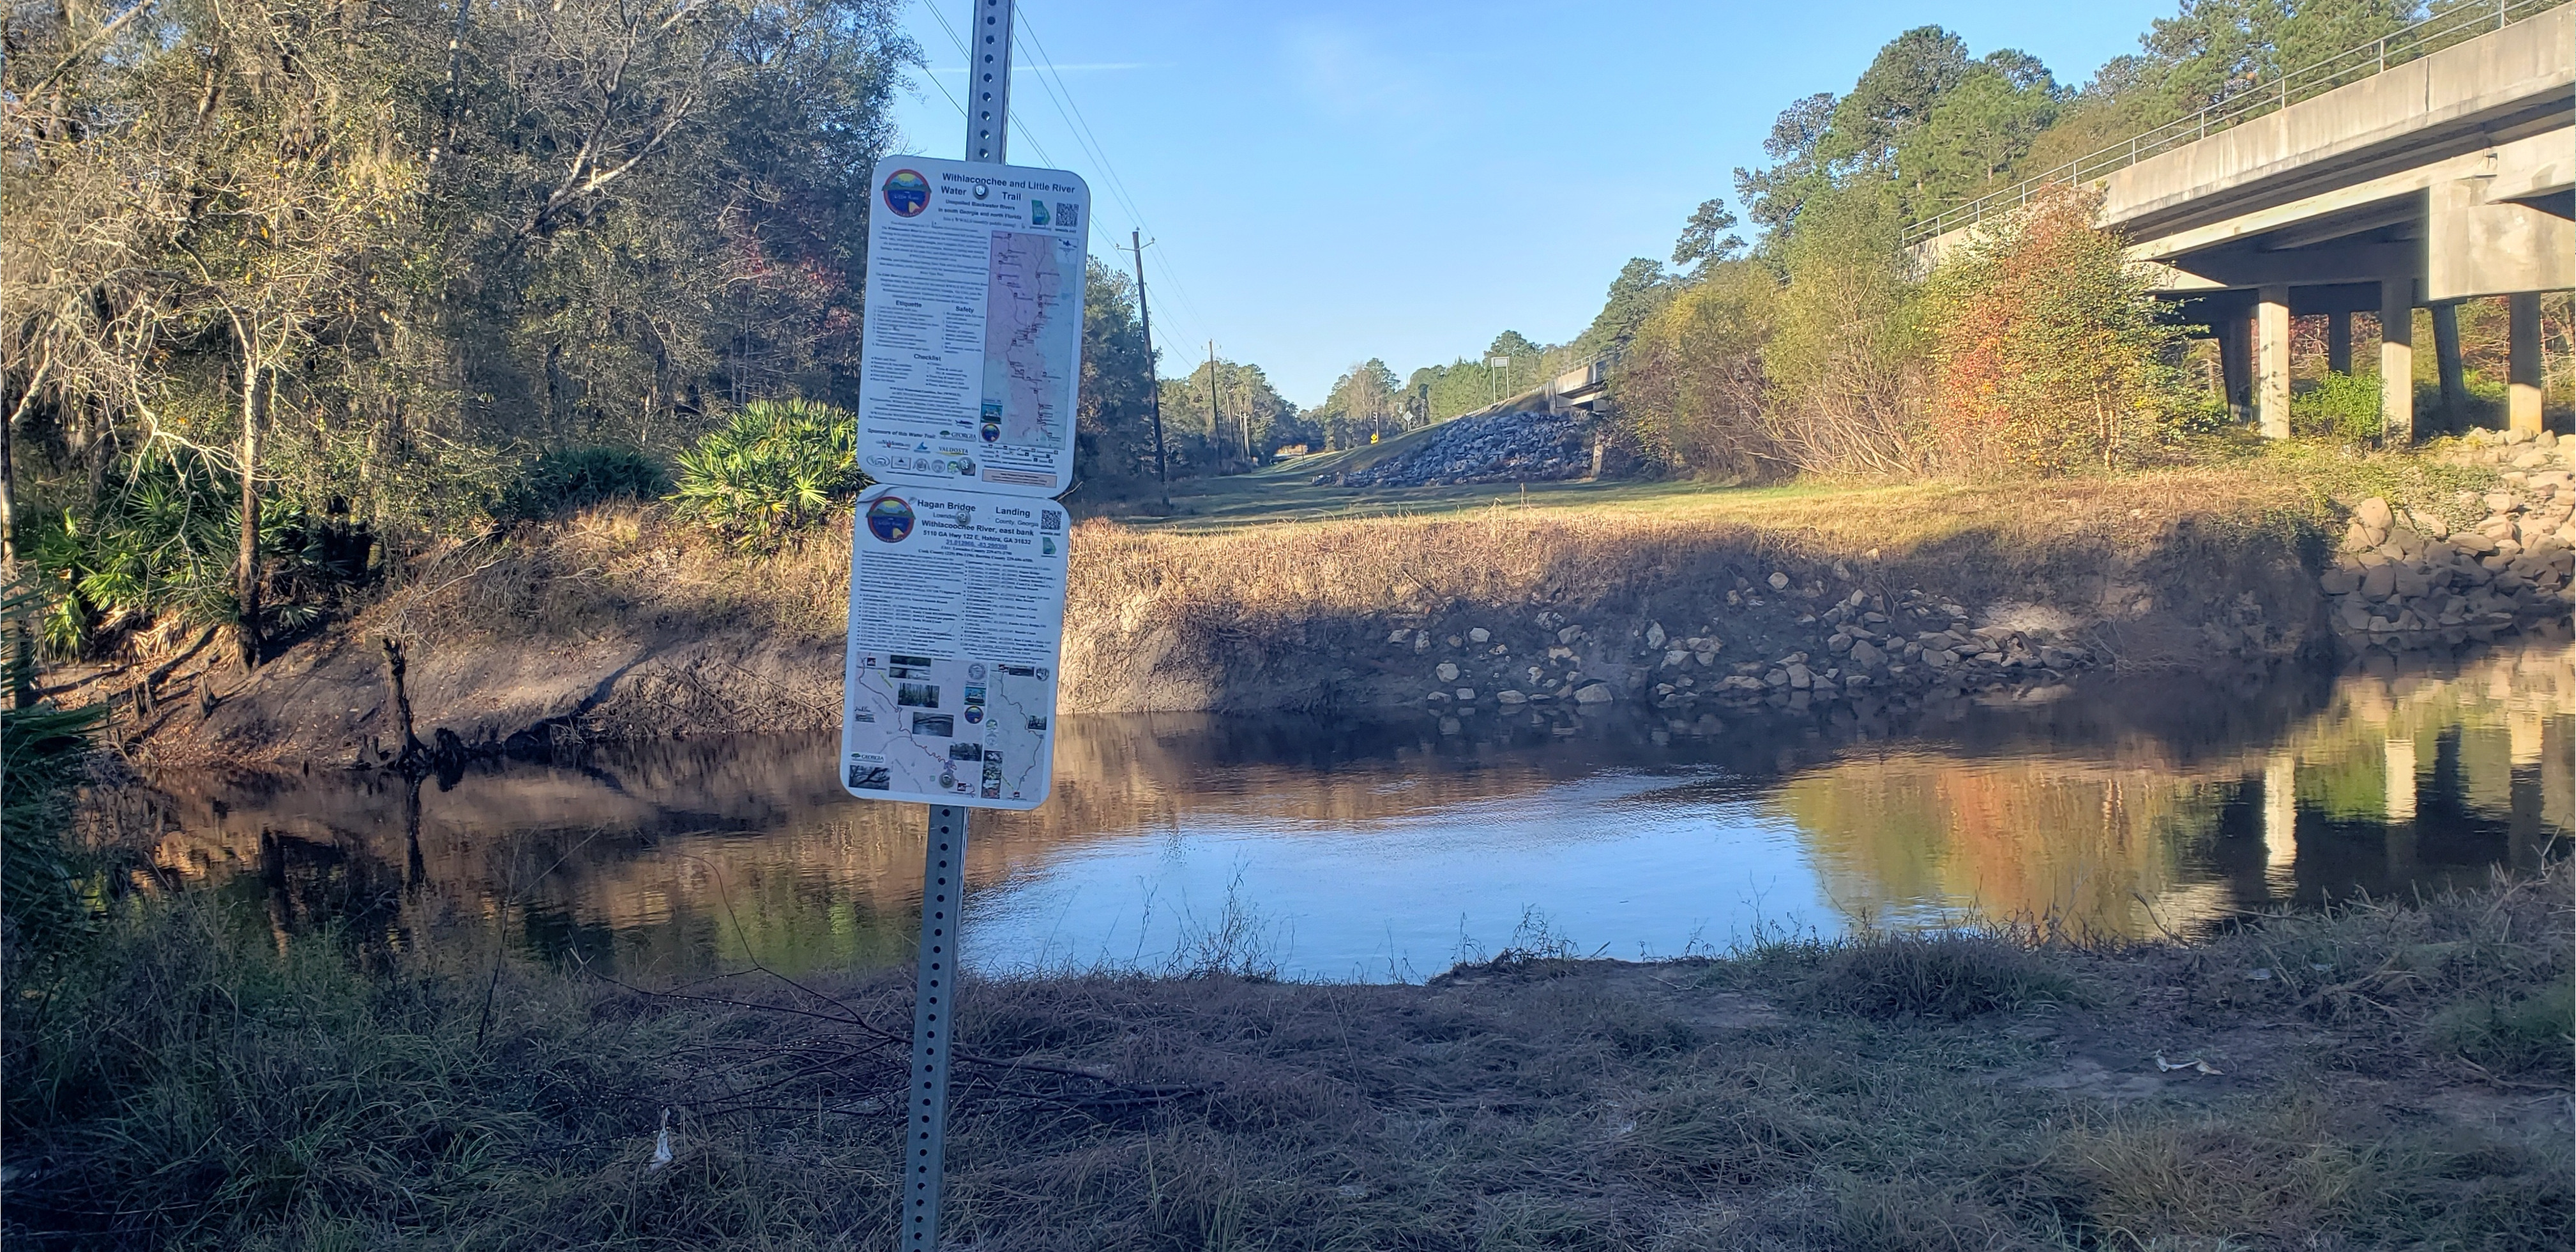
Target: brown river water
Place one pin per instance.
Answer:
(1392, 848)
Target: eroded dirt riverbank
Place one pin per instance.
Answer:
(623, 624)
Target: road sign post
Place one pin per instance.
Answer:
(970, 361)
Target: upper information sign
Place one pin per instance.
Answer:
(973, 343)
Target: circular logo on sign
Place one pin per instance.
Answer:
(890, 519)
(907, 193)
(974, 714)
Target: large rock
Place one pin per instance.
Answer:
(2374, 513)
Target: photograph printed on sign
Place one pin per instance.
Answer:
(956, 619)
(972, 343)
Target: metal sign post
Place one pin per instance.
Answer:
(971, 360)
(943, 883)
(988, 124)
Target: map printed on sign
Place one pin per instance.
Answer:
(973, 338)
(956, 615)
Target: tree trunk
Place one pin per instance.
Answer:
(9, 491)
(21, 678)
(246, 568)
(395, 669)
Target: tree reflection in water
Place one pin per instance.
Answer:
(2123, 809)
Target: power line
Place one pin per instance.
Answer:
(1067, 107)
(1060, 94)
(1076, 122)
(1039, 65)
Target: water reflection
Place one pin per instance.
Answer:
(1378, 849)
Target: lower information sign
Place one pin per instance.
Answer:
(956, 616)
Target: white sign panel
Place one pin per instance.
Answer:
(956, 617)
(973, 338)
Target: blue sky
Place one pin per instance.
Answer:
(1329, 182)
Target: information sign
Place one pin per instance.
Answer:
(956, 618)
(973, 341)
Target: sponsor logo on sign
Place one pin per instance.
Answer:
(890, 518)
(907, 193)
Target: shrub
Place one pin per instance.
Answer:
(2510, 1036)
(1691, 387)
(162, 538)
(2046, 347)
(44, 755)
(1950, 975)
(777, 467)
(563, 479)
(2339, 406)
(2197, 416)
(1846, 364)
(163, 541)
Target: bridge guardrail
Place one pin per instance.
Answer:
(2441, 30)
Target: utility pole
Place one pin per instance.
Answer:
(1216, 428)
(1153, 386)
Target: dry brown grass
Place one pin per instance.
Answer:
(599, 569)
(617, 567)
(185, 1087)
(611, 568)
(1240, 614)
(627, 621)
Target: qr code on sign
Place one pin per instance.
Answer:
(1068, 216)
(1049, 519)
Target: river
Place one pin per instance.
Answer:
(1390, 848)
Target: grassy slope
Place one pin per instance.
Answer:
(2401, 1079)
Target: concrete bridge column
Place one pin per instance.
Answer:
(2236, 365)
(2446, 362)
(2272, 362)
(2522, 367)
(2396, 361)
(2339, 342)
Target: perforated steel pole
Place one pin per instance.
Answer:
(943, 859)
(943, 885)
(988, 116)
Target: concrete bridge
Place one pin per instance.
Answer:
(2384, 180)
(1579, 389)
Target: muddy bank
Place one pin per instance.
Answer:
(624, 624)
